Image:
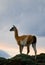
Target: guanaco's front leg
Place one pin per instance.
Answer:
(20, 48)
(28, 50)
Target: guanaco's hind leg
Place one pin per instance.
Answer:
(34, 47)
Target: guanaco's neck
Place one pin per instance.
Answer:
(16, 33)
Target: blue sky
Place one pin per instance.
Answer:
(27, 15)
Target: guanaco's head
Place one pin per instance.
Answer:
(13, 28)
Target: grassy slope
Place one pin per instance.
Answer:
(23, 59)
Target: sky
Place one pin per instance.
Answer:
(28, 16)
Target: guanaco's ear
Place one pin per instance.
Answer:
(14, 26)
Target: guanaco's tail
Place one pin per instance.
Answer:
(34, 39)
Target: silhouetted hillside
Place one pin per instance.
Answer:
(23, 59)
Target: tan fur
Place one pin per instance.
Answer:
(21, 38)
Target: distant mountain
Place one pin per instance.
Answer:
(4, 54)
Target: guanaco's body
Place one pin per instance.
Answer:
(24, 40)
